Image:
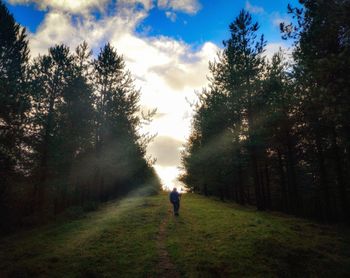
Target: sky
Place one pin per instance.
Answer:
(167, 45)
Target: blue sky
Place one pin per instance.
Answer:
(209, 23)
(166, 44)
(27, 15)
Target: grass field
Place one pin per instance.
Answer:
(208, 239)
(215, 239)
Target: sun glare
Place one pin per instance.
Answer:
(168, 176)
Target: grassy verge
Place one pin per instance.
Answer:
(208, 239)
(118, 239)
(214, 239)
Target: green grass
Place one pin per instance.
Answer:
(215, 239)
(117, 239)
(208, 239)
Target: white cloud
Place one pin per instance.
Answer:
(74, 6)
(167, 150)
(84, 6)
(277, 19)
(171, 15)
(59, 27)
(274, 47)
(253, 9)
(186, 6)
(168, 73)
(147, 4)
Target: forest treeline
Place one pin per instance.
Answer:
(276, 133)
(69, 129)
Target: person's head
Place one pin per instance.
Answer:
(174, 189)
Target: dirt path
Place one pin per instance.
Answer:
(165, 266)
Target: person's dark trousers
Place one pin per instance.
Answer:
(176, 207)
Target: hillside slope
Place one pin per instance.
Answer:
(139, 237)
(215, 239)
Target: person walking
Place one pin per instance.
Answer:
(174, 197)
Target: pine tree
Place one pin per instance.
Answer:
(14, 103)
(120, 155)
(322, 69)
(14, 98)
(50, 77)
(281, 116)
(240, 74)
(224, 128)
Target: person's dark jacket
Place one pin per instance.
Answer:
(174, 197)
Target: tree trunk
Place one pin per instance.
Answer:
(40, 187)
(285, 200)
(240, 189)
(257, 185)
(345, 208)
(268, 190)
(206, 190)
(293, 187)
(326, 208)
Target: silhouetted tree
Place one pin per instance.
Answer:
(322, 67)
(14, 104)
(231, 108)
(51, 75)
(69, 129)
(287, 126)
(120, 154)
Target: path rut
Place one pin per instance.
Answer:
(166, 267)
